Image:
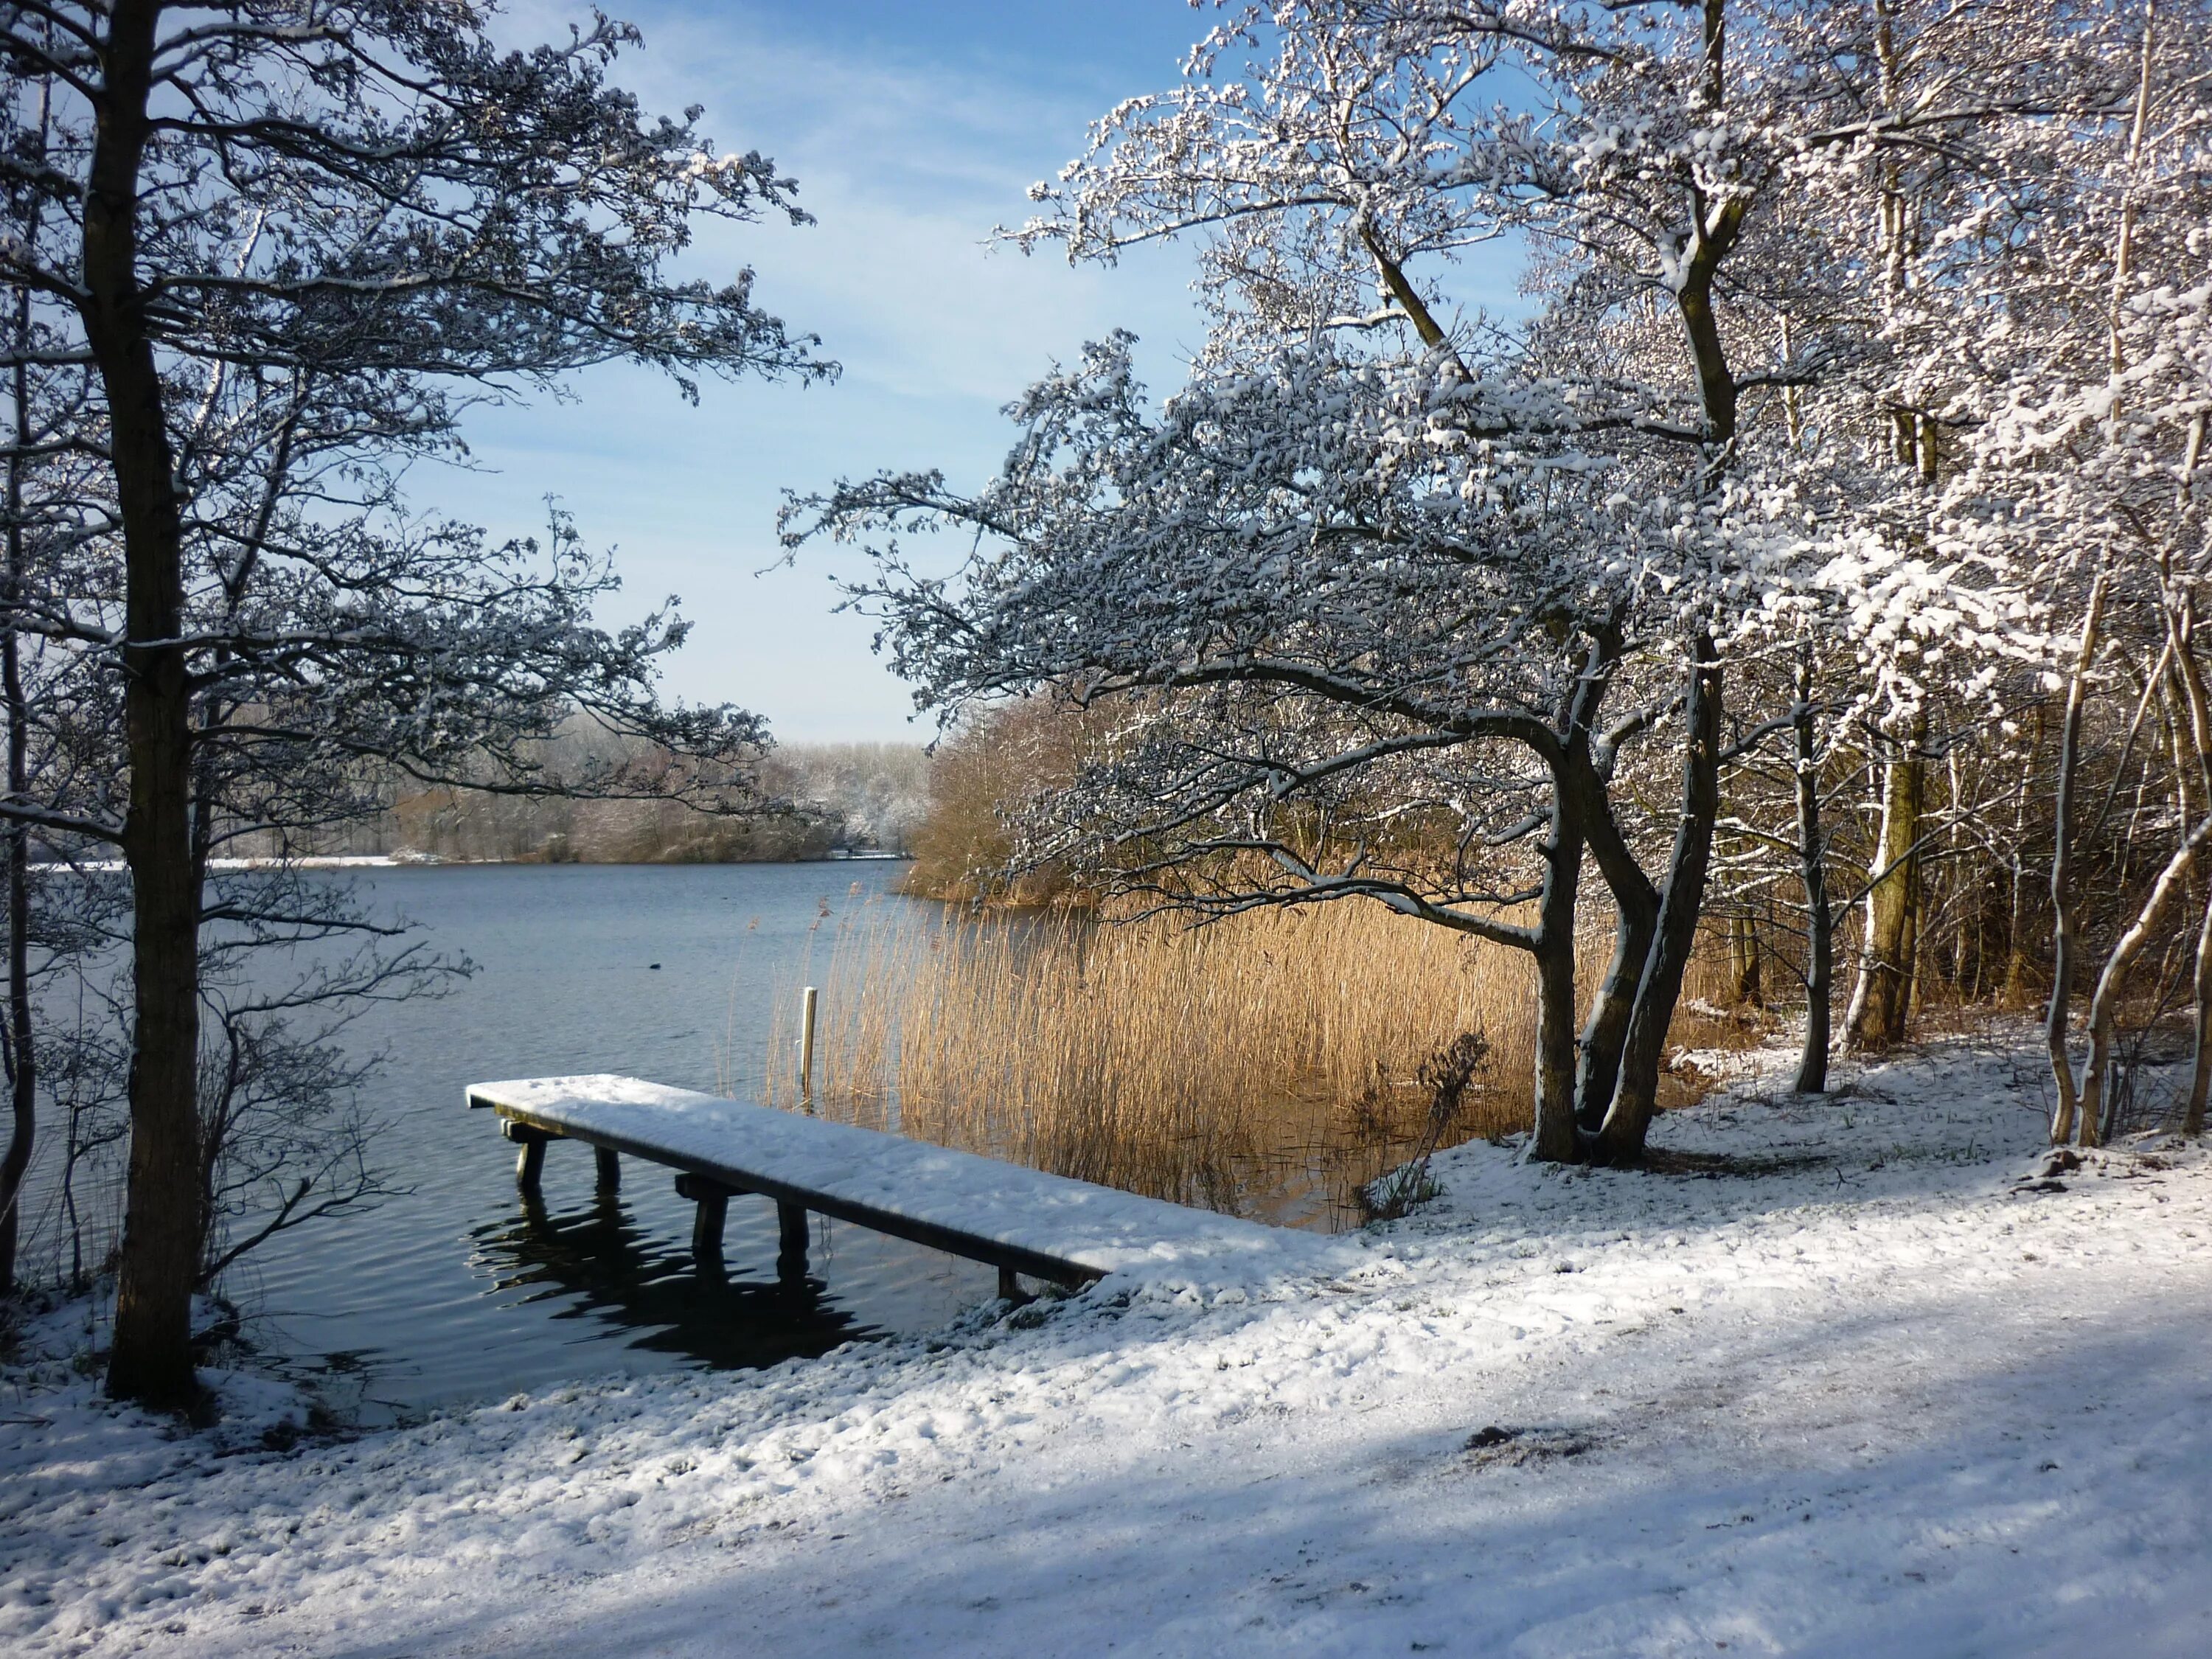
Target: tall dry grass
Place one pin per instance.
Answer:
(1244, 1065)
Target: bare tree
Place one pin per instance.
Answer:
(282, 246)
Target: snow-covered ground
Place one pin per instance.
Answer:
(1849, 1381)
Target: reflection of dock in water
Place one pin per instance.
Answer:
(721, 1307)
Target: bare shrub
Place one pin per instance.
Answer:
(1446, 1077)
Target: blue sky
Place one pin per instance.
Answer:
(913, 128)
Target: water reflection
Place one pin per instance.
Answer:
(600, 1263)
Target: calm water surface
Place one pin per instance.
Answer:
(458, 1289)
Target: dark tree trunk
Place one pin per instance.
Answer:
(1556, 1140)
(1811, 865)
(2065, 933)
(1606, 1028)
(1672, 928)
(1637, 1096)
(1575, 779)
(1558, 1137)
(2200, 1068)
(2194, 734)
(23, 1062)
(151, 1361)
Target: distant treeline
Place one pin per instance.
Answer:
(822, 798)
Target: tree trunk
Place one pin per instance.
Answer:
(2181, 626)
(1555, 1140)
(1637, 1096)
(23, 1062)
(1635, 902)
(1744, 962)
(2096, 1125)
(1884, 997)
(1559, 1136)
(2200, 1070)
(1598, 1072)
(151, 1361)
(22, 1070)
(2064, 938)
(1813, 870)
(2018, 957)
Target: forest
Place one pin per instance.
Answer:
(1810, 572)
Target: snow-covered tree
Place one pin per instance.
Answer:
(279, 247)
(2071, 364)
(1400, 563)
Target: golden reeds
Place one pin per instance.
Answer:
(1267, 1063)
(1217, 1065)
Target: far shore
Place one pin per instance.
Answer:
(417, 861)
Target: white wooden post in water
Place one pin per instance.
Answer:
(806, 1044)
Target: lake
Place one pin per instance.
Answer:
(458, 1288)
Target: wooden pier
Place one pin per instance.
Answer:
(1020, 1221)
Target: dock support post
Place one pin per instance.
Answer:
(1010, 1285)
(712, 1199)
(530, 1157)
(610, 1165)
(790, 1241)
(707, 1226)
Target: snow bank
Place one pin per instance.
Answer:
(1850, 1378)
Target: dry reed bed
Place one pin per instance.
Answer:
(1192, 1063)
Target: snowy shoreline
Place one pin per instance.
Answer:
(1848, 1376)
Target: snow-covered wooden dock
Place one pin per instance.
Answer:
(1019, 1220)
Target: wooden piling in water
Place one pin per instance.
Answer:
(790, 1241)
(806, 1044)
(712, 1210)
(530, 1157)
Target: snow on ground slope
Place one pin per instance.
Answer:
(1840, 1381)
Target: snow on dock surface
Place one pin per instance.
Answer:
(1836, 1383)
(906, 1186)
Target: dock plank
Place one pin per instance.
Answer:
(1046, 1225)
